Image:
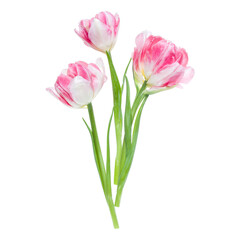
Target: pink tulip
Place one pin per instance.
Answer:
(99, 32)
(160, 63)
(79, 84)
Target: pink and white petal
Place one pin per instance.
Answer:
(181, 75)
(64, 81)
(86, 23)
(82, 70)
(61, 86)
(102, 16)
(100, 64)
(164, 55)
(81, 91)
(117, 19)
(82, 32)
(52, 92)
(182, 57)
(188, 75)
(98, 78)
(84, 64)
(117, 22)
(157, 80)
(64, 94)
(141, 38)
(71, 71)
(64, 71)
(101, 35)
(136, 57)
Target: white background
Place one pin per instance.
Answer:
(184, 182)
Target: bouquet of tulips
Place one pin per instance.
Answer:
(157, 65)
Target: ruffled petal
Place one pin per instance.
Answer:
(159, 79)
(182, 57)
(141, 38)
(53, 93)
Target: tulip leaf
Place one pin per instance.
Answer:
(129, 157)
(126, 149)
(108, 166)
(123, 153)
(137, 124)
(117, 99)
(94, 150)
(125, 74)
(138, 99)
(95, 153)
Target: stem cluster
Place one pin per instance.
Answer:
(126, 138)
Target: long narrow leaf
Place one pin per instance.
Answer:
(108, 166)
(138, 99)
(136, 126)
(115, 86)
(129, 158)
(126, 150)
(117, 99)
(125, 74)
(94, 151)
(128, 119)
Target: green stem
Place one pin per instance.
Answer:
(118, 196)
(117, 115)
(97, 145)
(105, 178)
(127, 160)
(113, 212)
(137, 101)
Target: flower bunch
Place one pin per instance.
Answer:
(157, 65)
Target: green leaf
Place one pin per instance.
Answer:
(125, 74)
(117, 98)
(126, 148)
(117, 92)
(94, 150)
(129, 157)
(128, 118)
(108, 166)
(136, 125)
(138, 99)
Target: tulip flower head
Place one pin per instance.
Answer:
(100, 32)
(79, 84)
(160, 63)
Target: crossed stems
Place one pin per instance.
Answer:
(125, 151)
(123, 160)
(127, 155)
(104, 175)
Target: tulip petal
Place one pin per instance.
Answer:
(98, 77)
(158, 79)
(53, 93)
(101, 35)
(182, 57)
(141, 38)
(188, 75)
(181, 75)
(81, 91)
